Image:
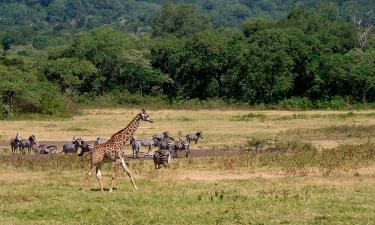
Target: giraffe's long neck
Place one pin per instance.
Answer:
(123, 135)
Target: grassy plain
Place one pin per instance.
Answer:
(221, 128)
(312, 167)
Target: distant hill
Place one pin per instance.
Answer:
(135, 15)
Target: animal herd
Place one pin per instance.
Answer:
(168, 147)
(112, 150)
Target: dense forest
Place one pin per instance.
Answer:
(314, 54)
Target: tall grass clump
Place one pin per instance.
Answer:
(249, 117)
(296, 103)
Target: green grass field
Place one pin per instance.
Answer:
(294, 168)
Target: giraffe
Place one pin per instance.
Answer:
(113, 150)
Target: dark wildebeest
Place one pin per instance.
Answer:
(194, 137)
(72, 148)
(15, 143)
(28, 144)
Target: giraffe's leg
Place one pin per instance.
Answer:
(126, 168)
(169, 161)
(87, 177)
(99, 176)
(114, 174)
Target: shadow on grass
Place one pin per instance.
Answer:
(105, 189)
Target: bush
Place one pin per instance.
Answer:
(336, 102)
(24, 93)
(300, 103)
(304, 103)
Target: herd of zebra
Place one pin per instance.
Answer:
(168, 146)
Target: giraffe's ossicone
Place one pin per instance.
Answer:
(113, 150)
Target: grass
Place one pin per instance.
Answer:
(280, 177)
(54, 197)
(218, 126)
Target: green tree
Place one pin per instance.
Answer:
(71, 73)
(362, 71)
(181, 20)
(268, 66)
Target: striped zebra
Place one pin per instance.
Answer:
(167, 144)
(162, 157)
(194, 137)
(181, 145)
(136, 144)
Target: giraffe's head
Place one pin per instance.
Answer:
(145, 117)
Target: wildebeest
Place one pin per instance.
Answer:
(85, 147)
(15, 143)
(72, 148)
(27, 144)
(149, 143)
(194, 137)
(45, 149)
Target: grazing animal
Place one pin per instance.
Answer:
(136, 144)
(194, 137)
(157, 137)
(27, 144)
(167, 144)
(113, 150)
(162, 157)
(46, 149)
(149, 143)
(162, 136)
(87, 147)
(100, 140)
(15, 143)
(181, 145)
(72, 148)
(84, 147)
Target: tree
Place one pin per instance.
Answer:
(251, 26)
(71, 73)
(268, 66)
(362, 71)
(180, 20)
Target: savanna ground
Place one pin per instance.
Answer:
(304, 167)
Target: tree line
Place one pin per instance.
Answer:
(311, 54)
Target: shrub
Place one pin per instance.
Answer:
(24, 93)
(300, 103)
(336, 102)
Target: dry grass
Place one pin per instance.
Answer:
(289, 181)
(218, 126)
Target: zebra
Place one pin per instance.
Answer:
(136, 144)
(194, 137)
(72, 148)
(167, 144)
(15, 143)
(181, 145)
(27, 144)
(162, 157)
